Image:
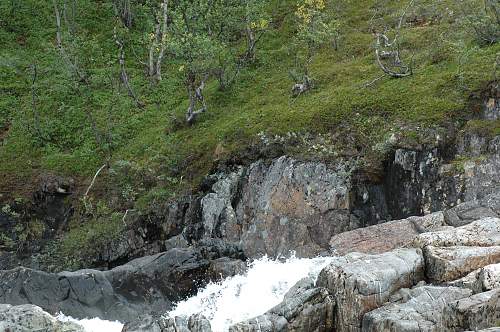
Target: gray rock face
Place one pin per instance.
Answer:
(144, 285)
(274, 209)
(29, 318)
(420, 310)
(365, 282)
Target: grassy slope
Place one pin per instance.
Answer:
(437, 92)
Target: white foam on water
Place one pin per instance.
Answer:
(242, 297)
(93, 324)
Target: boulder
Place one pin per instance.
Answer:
(144, 285)
(483, 232)
(444, 264)
(385, 237)
(420, 309)
(470, 211)
(362, 283)
(28, 318)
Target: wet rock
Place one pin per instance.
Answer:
(26, 318)
(385, 237)
(224, 267)
(304, 308)
(421, 310)
(362, 283)
(450, 263)
(484, 232)
(481, 280)
(144, 285)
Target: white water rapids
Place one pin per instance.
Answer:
(237, 298)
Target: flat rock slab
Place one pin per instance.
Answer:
(421, 310)
(446, 264)
(483, 232)
(385, 237)
(365, 282)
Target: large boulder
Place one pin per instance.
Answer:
(362, 283)
(444, 264)
(418, 309)
(29, 318)
(385, 237)
(144, 285)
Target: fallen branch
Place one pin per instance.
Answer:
(93, 180)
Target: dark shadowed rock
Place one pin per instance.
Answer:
(144, 285)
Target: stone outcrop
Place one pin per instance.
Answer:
(29, 318)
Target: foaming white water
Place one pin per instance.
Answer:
(93, 324)
(242, 297)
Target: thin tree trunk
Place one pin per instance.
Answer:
(123, 72)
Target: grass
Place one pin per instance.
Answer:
(448, 67)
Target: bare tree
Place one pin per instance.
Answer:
(388, 53)
(158, 42)
(123, 70)
(123, 10)
(72, 64)
(34, 98)
(195, 92)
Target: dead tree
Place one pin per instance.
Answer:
(157, 47)
(195, 92)
(123, 10)
(388, 53)
(123, 70)
(82, 77)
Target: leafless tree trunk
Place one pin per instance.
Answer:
(388, 53)
(123, 71)
(195, 93)
(59, 42)
(158, 43)
(123, 10)
(34, 98)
